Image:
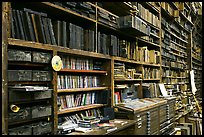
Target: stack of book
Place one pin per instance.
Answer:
(89, 122)
(119, 71)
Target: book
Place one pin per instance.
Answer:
(24, 25)
(46, 29)
(56, 29)
(64, 34)
(34, 27)
(53, 40)
(21, 30)
(40, 29)
(30, 26)
(13, 31)
(16, 24)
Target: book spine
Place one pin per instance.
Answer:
(34, 27)
(64, 34)
(22, 35)
(51, 32)
(16, 24)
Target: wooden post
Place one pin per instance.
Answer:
(5, 35)
(55, 107)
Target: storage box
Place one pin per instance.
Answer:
(19, 75)
(22, 130)
(19, 55)
(42, 94)
(41, 111)
(15, 96)
(42, 128)
(41, 57)
(24, 113)
(41, 75)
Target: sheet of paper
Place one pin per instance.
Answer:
(163, 89)
(193, 87)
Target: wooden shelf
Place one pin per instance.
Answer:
(148, 43)
(81, 89)
(126, 60)
(29, 120)
(118, 80)
(178, 44)
(184, 17)
(150, 79)
(153, 65)
(80, 108)
(134, 62)
(83, 71)
(29, 82)
(178, 38)
(118, 8)
(64, 11)
(150, 7)
(154, 35)
(30, 64)
(35, 45)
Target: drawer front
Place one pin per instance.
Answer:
(42, 128)
(41, 75)
(22, 114)
(42, 94)
(41, 57)
(19, 75)
(15, 96)
(22, 130)
(41, 111)
(19, 55)
(141, 128)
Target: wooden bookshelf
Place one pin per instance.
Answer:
(83, 71)
(182, 51)
(80, 108)
(81, 89)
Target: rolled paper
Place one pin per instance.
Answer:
(14, 108)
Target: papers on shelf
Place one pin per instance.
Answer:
(82, 129)
(193, 87)
(163, 90)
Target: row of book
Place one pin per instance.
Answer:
(148, 16)
(80, 63)
(107, 18)
(31, 25)
(82, 99)
(72, 81)
(121, 72)
(69, 101)
(166, 54)
(174, 46)
(165, 62)
(151, 73)
(82, 8)
(151, 39)
(134, 22)
(178, 65)
(173, 73)
(146, 55)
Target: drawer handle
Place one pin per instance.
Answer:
(139, 123)
(139, 126)
(139, 119)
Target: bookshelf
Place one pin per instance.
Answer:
(107, 49)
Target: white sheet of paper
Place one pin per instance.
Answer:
(193, 87)
(163, 89)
